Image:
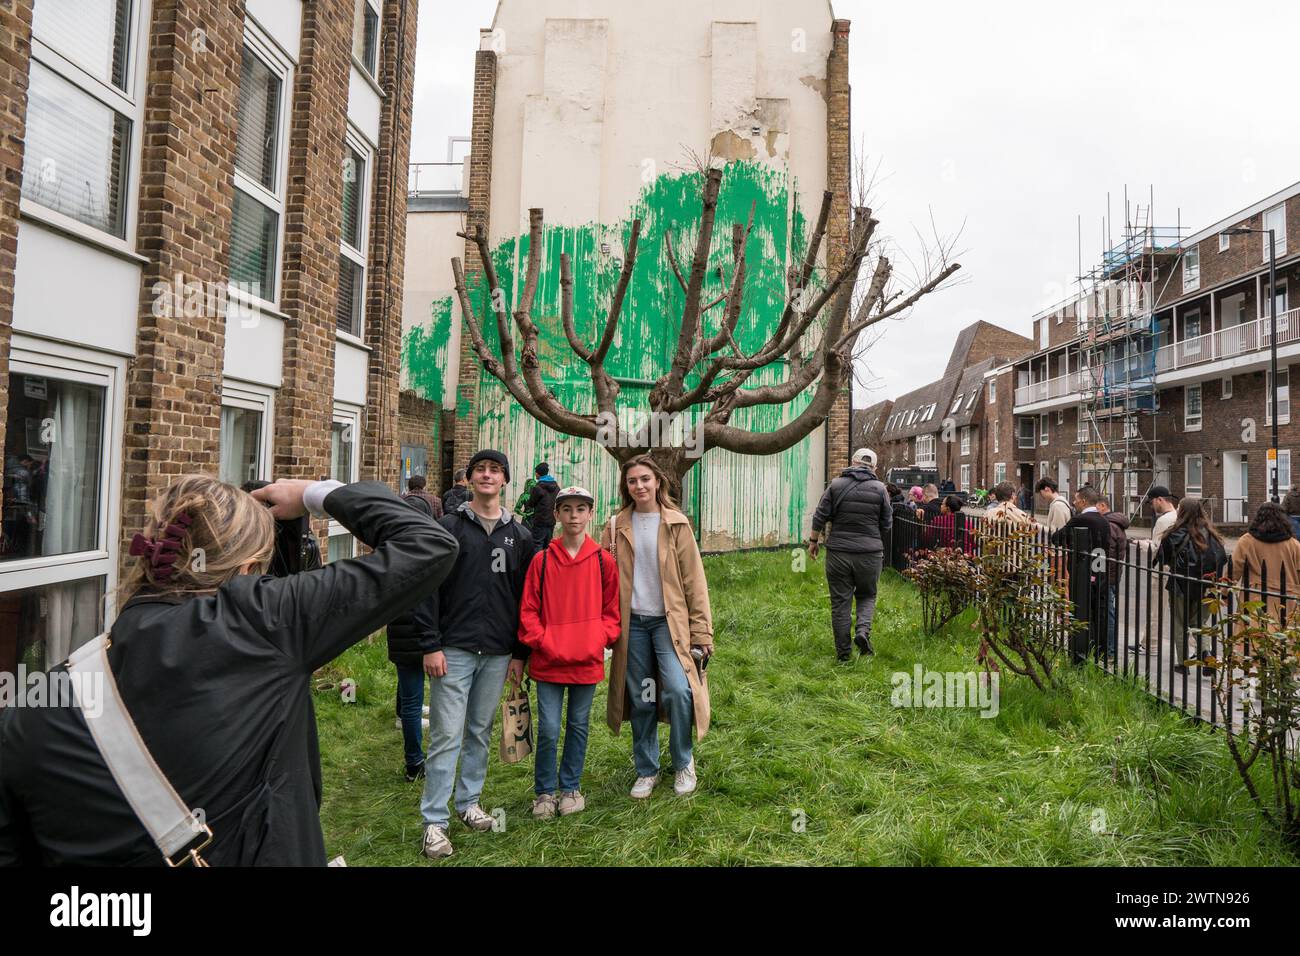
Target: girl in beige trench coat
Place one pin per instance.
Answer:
(664, 606)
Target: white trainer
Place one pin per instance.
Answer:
(684, 781)
(644, 786)
(436, 845)
(476, 819)
(424, 721)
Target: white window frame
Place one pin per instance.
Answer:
(1283, 473)
(996, 431)
(1192, 423)
(128, 103)
(955, 405)
(345, 414)
(1020, 436)
(993, 391)
(1225, 387)
(1192, 339)
(379, 45)
(32, 356)
(1081, 430)
(965, 478)
(278, 62)
(1192, 269)
(357, 142)
(1043, 436)
(1225, 242)
(999, 472)
(1279, 231)
(1060, 416)
(965, 439)
(258, 398)
(1190, 490)
(1284, 378)
(927, 458)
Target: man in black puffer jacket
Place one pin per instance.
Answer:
(858, 508)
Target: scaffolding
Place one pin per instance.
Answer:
(1119, 338)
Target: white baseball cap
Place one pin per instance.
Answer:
(574, 491)
(865, 455)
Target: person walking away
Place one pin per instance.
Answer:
(568, 617)
(661, 659)
(1291, 505)
(541, 506)
(1164, 505)
(213, 662)
(1267, 557)
(1191, 550)
(1116, 555)
(857, 506)
(420, 499)
(474, 649)
(458, 493)
(1086, 534)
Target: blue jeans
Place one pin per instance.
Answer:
(1112, 624)
(648, 644)
(550, 700)
(410, 708)
(462, 706)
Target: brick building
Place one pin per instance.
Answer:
(569, 117)
(869, 426)
(1206, 428)
(202, 220)
(941, 425)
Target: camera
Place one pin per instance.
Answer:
(296, 547)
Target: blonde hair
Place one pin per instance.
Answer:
(227, 529)
(662, 496)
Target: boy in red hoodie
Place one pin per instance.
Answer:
(568, 615)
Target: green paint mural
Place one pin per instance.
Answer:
(425, 352)
(736, 500)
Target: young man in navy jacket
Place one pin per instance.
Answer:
(471, 649)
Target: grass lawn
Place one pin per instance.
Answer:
(797, 737)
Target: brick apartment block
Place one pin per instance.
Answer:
(201, 248)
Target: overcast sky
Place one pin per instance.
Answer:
(1009, 121)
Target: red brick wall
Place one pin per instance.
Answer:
(381, 441)
(480, 194)
(173, 392)
(15, 50)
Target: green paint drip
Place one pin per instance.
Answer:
(425, 352)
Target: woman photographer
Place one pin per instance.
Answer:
(213, 661)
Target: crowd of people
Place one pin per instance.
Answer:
(472, 598)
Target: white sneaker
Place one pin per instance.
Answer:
(476, 819)
(424, 722)
(424, 711)
(644, 786)
(685, 781)
(436, 844)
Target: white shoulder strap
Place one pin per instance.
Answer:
(164, 814)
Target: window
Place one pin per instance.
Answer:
(52, 466)
(1283, 396)
(1131, 427)
(970, 402)
(965, 478)
(1275, 219)
(1192, 476)
(1060, 416)
(1045, 469)
(999, 472)
(993, 390)
(344, 466)
(79, 112)
(1283, 473)
(1192, 269)
(1130, 486)
(1042, 333)
(1282, 315)
(955, 405)
(996, 432)
(1192, 408)
(1192, 334)
(1225, 387)
(1060, 316)
(365, 36)
(1082, 325)
(246, 417)
(341, 546)
(258, 206)
(1026, 432)
(352, 256)
(1081, 433)
(1225, 242)
(965, 440)
(925, 450)
(61, 478)
(1042, 430)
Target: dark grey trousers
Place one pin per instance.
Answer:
(852, 577)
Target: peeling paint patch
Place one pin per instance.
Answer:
(816, 83)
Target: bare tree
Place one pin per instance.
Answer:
(825, 312)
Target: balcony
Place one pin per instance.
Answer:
(1049, 388)
(1228, 343)
(434, 179)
